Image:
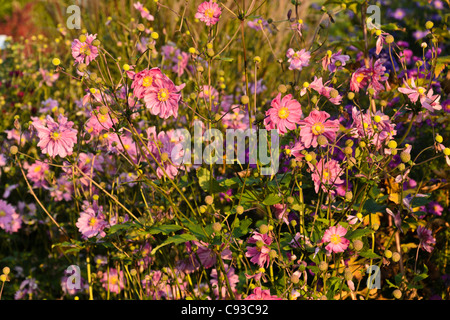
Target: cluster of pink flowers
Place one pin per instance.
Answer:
(160, 94)
(10, 220)
(371, 76)
(335, 238)
(428, 100)
(92, 221)
(259, 254)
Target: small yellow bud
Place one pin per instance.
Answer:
(439, 138)
(56, 61)
(154, 35)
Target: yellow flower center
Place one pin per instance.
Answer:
(55, 135)
(37, 169)
(335, 239)
(163, 95)
(209, 13)
(92, 222)
(421, 91)
(102, 118)
(318, 128)
(85, 50)
(2, 213)
(360, 78)
(283, 113)
(326, 174)
(147, 81)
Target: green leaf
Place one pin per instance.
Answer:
(208, 184)
(372, 206)
(240, 228)
(369, 254)
(121, 226)
(272, 199)
(164, 229)
(177, 239)
(358, 233)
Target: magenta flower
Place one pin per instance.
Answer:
(316, 124)
(298, 59)
(260, 254)
(144, 11)
(37, 172)
(162, 98)
(56, 138)
(335, 236)
(370, 77)
(326, 175)
(209, 13)
(283, 114)
(259, 294)
(98, 122)
(435, 208)
(92, 222)
(84, 52)
(426, 238)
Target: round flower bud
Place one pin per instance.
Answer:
(164, 156)
(348, 275)
(56, 61)
(351, 95)
(392, 144)
(126, 67)
(389, 39)
(257, 59)
(259, 243)
(401, 167)
(423, 45)
(140, 27)
(429, 25)
(3, 278)
(245, 99)
(192, 50)
(154, 35)
(348, 150)
(273, 254)
(388, 254)
(323, 266)
(6, 270)
(397, 294)
(282, 88)
(290, 200)
(295, 278)
(13, 150)
(362, 144)
(96, 42)
(133, 272)
(263, 229)
(405, 156)
(239, 209)
(308, 157)
(82, 38)
(439, 138)
(377, 119)
(334, 93)
(322, 140)
(447, 151)
(209, 200)
(349, 196)
(203, 209)
(396, 257)
(217, 227)
(358, 245)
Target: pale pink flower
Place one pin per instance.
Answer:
(335, 236)
(233, 279)
(317, 124)
(144, 80)
(98, 122)
(92, 222)
(162, 98)
(236, 118)
(426, 238)
(10, 220)
(260, 253)
(371, 76)
(114, 281)
(284, 114)
(56, 138)
(84, 52)
(427, 99)
(37, 173)
(259, 294)
(325, 90)
(209, 13)
(326, 175)
(144, 11)
(298, 59)
(359, 79)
